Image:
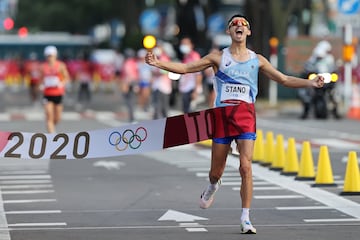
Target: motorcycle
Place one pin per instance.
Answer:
(324, 99)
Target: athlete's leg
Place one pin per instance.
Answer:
(58, 113)
(49, 115)
(246, 191)
(219, 152)
(246, 148)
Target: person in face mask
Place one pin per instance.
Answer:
(161, 86)
(190, 84)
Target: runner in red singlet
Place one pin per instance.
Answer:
(54, 78)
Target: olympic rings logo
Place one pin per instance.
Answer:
(128, 138)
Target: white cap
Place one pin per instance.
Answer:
(50, 50)
(320, 52)
(324, 45)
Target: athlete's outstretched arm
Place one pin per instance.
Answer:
(181, 68)
(286, 80)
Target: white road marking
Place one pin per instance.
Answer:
(266, 188)
(335, 143)
(257, 183)
(303, 208)
(230, 179)
(4, 234)
(25, 182)
(26, 186)
(34, 212)
(189, 224)
(48, 224)
(262, 183)
(28, 201)
(172, 215)
(25, 177)
(278, 196)
(260, 188)
(164, 227)
(4, 117)
(189, 162)
(27, 192)
(198, 169)
(109, 165)
(196, 229)
(344, 159)
(226, 174)
(193, 227)
(186, 220)
(332, 200)
(313, 130)
(71, 116)
(23, 172)
(332, 220)
(231, 183)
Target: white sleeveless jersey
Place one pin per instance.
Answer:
(236, 81)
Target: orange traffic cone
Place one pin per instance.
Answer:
(269, 149)
(291, 165)
(324, 175)
(259, 147)
(352, 176)
(354, 110)
(306, 169)
(205, 143)
(279, 156)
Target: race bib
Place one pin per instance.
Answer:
(51, 81)
(235, 92)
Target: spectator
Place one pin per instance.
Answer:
(129, 82)
(161, 87)
(190, 84)
(84, 76)
(33, 74)
(145, 79)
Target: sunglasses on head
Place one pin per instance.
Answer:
(239, 22)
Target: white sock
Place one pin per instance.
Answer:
(213, 186)
(245, 214)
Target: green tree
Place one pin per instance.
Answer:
(271, 18)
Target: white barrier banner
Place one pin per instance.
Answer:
(137, 138)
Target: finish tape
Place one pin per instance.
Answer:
(130, 139)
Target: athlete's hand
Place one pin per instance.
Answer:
(318, 81)
(151, 58)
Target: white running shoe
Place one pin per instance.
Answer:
(207, 197)
(247, 227)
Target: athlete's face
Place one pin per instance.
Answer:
(239, 28)
(51, 57)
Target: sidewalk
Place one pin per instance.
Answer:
(291, 107)
(16, 104)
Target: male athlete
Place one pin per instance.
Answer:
(236, 83)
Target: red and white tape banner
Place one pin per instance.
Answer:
(137, 138)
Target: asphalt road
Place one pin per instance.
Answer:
(155, 195)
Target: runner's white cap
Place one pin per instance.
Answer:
(50, 50)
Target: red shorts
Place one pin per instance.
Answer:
(241, 124)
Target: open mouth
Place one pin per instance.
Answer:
(239, 31)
